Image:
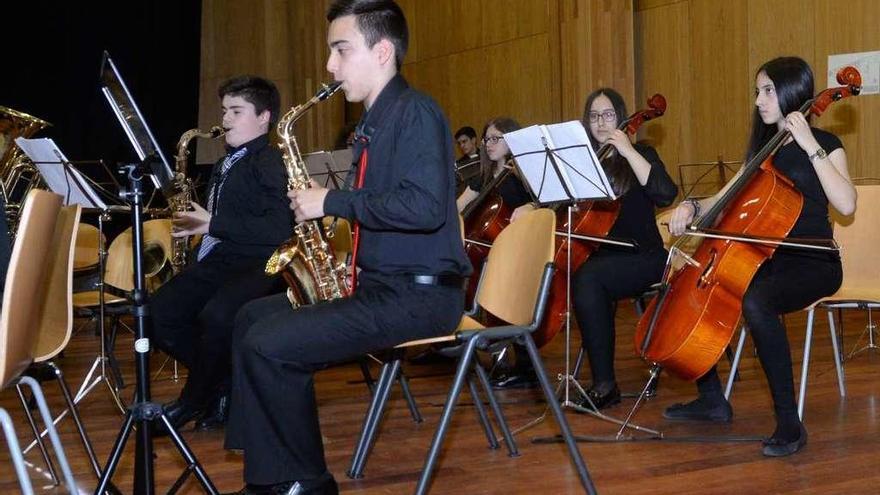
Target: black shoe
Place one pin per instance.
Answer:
(600, 400)
(777, 447)
(216, 415)
(178, 414)
(515, 379)
(715, 410)
(325, 485)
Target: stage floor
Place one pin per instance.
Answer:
(839, 458)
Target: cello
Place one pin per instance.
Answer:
(687, 326)
(593, 218)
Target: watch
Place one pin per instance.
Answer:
(820, 154)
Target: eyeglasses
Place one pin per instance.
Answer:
(492, 139)
(607, 116)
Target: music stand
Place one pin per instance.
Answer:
(329, 168)
(142, 411)
(552, 161)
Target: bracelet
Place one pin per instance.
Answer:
(696, 204)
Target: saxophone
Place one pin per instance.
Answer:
(306, 260)
(180, 201)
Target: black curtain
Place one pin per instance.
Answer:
(52, 59)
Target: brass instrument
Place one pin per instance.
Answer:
(180, 201)
(17, 174)
(306, 260)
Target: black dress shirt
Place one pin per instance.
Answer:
(252, 216)
(406, 207)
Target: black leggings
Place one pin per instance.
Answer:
(596, 286)
(785, 283)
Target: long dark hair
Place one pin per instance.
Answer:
(616, 167)
(487, 166)
(793, 80)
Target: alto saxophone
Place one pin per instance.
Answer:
(183, 186)
(306, 260)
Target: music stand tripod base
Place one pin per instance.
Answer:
(143, 410)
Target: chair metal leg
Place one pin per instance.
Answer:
(481, 413)
(371, 419)
(53, 434)
(368, 377)
(410, 400)
(65, 391)
(578, 362)
(24, 481)
(805, 365)
(512, 450)
(37, 437)
(446, 416)
(734, 365)
(841, 378)
(549, 394)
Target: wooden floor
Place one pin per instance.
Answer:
(841, 456)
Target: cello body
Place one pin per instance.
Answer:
(703, 304)
(592, 218)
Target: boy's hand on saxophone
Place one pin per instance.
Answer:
(308, 204)
(190, 222)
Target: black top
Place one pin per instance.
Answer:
(252, 216)
(637, 220)
(406, 208)
(794, 163)
(511, 189)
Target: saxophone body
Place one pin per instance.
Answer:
(306, 260)
(179, 202)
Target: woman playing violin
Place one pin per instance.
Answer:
(641, 183)
(792, 279)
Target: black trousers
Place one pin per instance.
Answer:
(785, 283)
(193, 316)
(274, 416)
(597, 285)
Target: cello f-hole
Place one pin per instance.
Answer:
(707, 272)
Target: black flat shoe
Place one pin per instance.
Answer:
(178, 414)
(515, 380)
(776, 447)
(701, 409)
(600, 400)
(325, 485)
(216, 416)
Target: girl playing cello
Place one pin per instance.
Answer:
(640, 181)
(815, 162)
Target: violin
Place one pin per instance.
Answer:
(591, 219)
(687, 326)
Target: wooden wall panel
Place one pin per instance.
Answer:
(596, 45)
(843, 29)
(704, 53)
(663, 58)
(477, 59)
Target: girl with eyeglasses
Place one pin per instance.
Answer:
(641, 183)
(495, 158)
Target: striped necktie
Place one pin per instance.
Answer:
(209, 241)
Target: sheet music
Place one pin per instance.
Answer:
(578, 165)
(61, 179)
(329, 168)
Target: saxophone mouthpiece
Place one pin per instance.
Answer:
(217, 131)
(327, 90)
